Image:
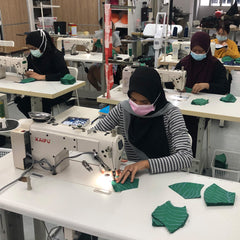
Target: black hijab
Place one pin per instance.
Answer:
(42, 40)
(148, 134)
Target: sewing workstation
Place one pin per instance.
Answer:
(102, 137)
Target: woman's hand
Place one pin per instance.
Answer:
(131, 170)
(35, 75)
(199, 87)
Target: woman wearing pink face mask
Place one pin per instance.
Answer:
(155, 135)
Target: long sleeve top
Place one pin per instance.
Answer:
(52, 65)
(231, 50)
(178, 139)
(219, 83)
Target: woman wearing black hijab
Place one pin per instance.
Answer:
(155, 136)
(45, 63)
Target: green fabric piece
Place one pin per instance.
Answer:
(119, 187)
(227, 59)
(188, 90)
(187, 190)
(68, 79)
(228, 98)
(28, 80)
(220, 161)
(169, 48)
(217, 196)
(237, 60)
(98, 43)
(199, 101)
(170, 216)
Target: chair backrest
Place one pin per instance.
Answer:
(73, 71)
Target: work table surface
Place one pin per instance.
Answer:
(68, 199)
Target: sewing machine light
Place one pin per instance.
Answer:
(104, 183)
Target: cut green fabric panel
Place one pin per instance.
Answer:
(188, 90)
(187, 190)
(28, 80)
(228, 98)
(217, 196)
(119, 187)
(199, 101)
(220, 161)
(170, 216)
(68, 79)
(227, 59)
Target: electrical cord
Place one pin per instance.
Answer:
(52, 168)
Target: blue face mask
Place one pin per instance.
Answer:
(221, 38)
(36, 53)
(198, 57)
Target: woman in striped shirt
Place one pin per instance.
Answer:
(155, 135)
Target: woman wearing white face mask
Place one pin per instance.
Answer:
(47, 64)
(225, 46)
(155, 136)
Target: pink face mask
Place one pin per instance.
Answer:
(141, 110)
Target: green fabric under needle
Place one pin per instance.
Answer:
(119, 187)
(228, 98)
(199, 101)
(187, 190)
(28, 80)
(169, 216)
(217, 196)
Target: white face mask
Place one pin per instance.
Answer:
(36, 53)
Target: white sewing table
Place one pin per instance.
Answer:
(36, 90)
(68, 199)
(215, 109)
(170, 62)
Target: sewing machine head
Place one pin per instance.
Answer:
(19, 63)
(182, 49)
(177, 77)
(71, 43)
(49, 145)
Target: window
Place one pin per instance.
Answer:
(218, 3)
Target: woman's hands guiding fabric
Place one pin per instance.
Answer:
(131, 170)
(32, 74)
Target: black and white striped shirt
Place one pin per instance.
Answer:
(178, 139)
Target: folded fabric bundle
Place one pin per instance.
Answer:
(217, 196)
(237, 61)
(199, 101)
(119, 187)
(68, 79)
(187, 190)
(220, 161)
(227, 60)
(169, 216)
(28, 80)
(228, 98)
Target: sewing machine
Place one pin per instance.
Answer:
(71, 43)
(177, 77)
(182, 49)
(19, 63)
(49, 144)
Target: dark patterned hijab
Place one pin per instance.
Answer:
(199, 71)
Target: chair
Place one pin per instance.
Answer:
(74, 72)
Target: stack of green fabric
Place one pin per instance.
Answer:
(217, 196)
(169, 216)
(220, 161)
(228, 98)
(199, 101)
(68, 79)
